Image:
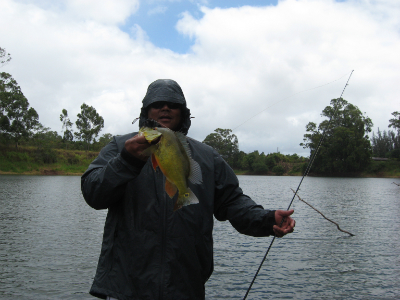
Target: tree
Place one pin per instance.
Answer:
(395, 122)
(66, 124)
(105, 139)
(102, 142)
(387, 144)
(395, 139)
(225, 143)
(89, 124)
(45, 141)
(278, 170)
(346, 147)
(258, 166)
(17, 120)
(381, 143)
(272, 159)
(4, 57)
(248, 160)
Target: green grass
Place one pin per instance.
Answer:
(31, 160)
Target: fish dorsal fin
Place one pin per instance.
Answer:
(195, 176)
(195, 172)
(182, 138)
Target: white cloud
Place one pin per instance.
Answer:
(104, 11)
(264, 54)
(244, 61)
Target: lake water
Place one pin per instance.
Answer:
(50, 241)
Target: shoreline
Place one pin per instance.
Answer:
(50, 172)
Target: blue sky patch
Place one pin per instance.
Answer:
(158, 19)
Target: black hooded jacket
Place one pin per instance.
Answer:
(148, 250)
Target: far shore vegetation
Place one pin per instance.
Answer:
(31, 160)
(28, 147)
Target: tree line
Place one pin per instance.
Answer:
(346, 147)
(387, 143)
(20, 123)
(226, 143)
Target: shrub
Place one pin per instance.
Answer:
(260, 167)
(376, 167)
(46, 155)
(17, 156)
(278, 170)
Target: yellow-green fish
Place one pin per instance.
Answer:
(172, 155)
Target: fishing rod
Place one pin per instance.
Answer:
(298, 187)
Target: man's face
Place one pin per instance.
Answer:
(166, 113)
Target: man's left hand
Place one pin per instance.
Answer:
(287, 225)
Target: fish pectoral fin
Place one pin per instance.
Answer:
(150, 150)
(176, 207)
(154, 162)
(170, 188)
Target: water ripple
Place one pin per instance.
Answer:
(50, 241)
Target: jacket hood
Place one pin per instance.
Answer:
(169, 91)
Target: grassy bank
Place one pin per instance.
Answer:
(42, 161)
(39, 161)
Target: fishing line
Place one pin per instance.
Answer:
(305, 174)
(317, 87)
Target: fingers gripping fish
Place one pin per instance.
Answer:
(173, 156)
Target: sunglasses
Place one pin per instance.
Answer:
(160, 104)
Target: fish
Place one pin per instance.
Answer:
(173, 157)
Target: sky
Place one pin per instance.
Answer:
(262, 68)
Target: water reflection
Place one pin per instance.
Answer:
(50, 241)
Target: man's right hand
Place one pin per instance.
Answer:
(136, 145)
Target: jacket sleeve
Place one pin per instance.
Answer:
(104, 182)
(231, 204)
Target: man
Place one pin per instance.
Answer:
(149, 251)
